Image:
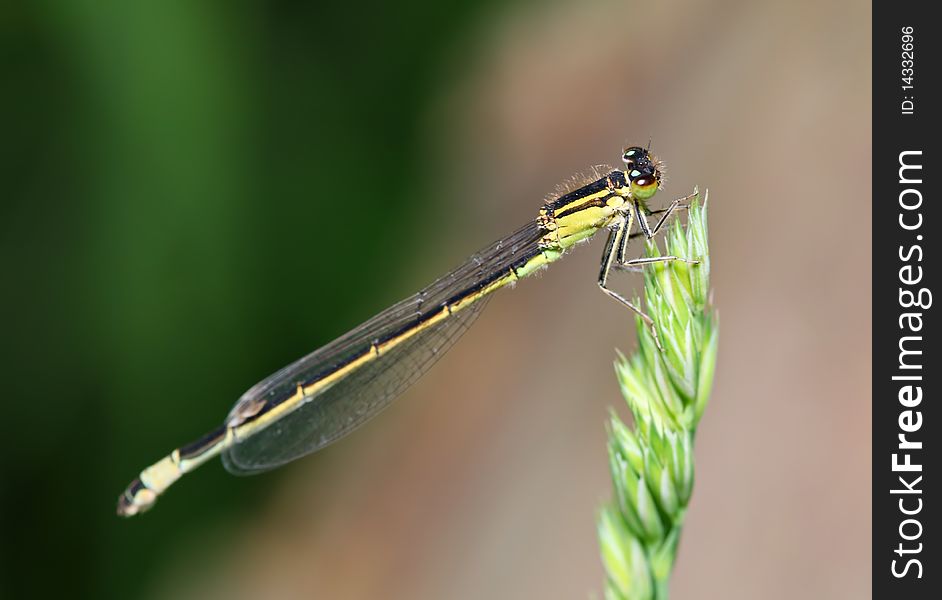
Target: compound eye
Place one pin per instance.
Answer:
(634, 156)
(644, 186)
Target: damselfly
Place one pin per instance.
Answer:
(328, 393)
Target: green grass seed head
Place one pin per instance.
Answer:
(666, 391)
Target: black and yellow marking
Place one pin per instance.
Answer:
(609, 201)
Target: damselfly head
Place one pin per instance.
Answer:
(635, 157)
(643, 171)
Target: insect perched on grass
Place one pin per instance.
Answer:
(328, 393)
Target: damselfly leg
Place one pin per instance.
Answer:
(615, 254)
(613, 246)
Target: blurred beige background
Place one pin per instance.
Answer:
(483, 480)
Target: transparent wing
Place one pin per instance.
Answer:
(340, 408)
(350, 402)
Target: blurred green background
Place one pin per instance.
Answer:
(196, 194)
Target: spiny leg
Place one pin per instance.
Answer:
(642, 221)
(622, 255)
(621, 262)
(666, 212)
(635, 265)
(612, 246)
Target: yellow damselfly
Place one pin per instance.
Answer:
(328, 393)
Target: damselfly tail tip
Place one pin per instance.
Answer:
(136, 499)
